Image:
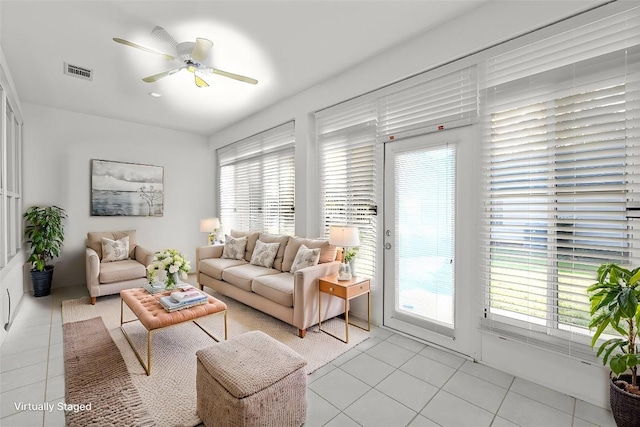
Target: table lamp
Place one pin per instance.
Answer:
(211, 226)
(345, 237)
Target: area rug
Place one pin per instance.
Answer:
(97, 380)
(169, 394)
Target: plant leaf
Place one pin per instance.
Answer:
(618, 364)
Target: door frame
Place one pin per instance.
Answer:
(466, 338)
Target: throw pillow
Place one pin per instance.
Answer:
(115, 250)
(305, 258)
(264, 254)
(234, 247)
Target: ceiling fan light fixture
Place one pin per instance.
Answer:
(200, 82)
(192, 56)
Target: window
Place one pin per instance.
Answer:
(348, 133)
(346, 138)
(561, 119)
(257, 182)
(10, 183)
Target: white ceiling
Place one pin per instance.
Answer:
(287, 45)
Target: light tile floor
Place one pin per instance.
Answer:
(388, 380)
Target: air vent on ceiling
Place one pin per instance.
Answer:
(79, 72)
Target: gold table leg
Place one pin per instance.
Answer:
(346, 319)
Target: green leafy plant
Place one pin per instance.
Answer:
(350, 254)
(44, 232)
(614, 307)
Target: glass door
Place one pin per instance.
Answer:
(420, 263)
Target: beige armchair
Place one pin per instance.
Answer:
(107, 278)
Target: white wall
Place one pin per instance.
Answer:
(58, 148)
(489, 24)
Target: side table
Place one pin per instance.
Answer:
(347, 290)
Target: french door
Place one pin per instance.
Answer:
(423, 293)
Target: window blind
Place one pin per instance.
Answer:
(425, 214)
(257, 182)
(560, 118)
(429, 104)
(346, 137)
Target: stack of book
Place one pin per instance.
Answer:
(182, 299)
(154, 288)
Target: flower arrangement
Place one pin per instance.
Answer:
(350, 254)
(169, 266)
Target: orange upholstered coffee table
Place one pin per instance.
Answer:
(153, 316)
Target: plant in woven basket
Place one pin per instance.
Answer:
(615, 309)
(44, 231)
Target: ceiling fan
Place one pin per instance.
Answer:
(191, 56)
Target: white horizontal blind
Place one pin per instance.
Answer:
(562, 120)
(346, 137)
(425, 188)
(429, 105)
(257, 182)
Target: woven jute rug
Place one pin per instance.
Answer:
(169, 394)
(97, 381)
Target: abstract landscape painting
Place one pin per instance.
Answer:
(126, 189)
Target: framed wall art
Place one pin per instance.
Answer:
(126, 189)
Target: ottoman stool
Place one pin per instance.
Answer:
(251, 380)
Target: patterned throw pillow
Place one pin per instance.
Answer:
(264, 254)
(234, 247)
(115, 250)
(305, 258)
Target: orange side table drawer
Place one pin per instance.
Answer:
(330, 288)
(358, 289)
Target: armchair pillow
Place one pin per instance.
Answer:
(234, 247)
(264, 254)
(305, 258)
(115, 250)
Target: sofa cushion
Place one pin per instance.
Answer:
(305, 258)
(234, 248)
(327, 252)
(275, 287)
(264, 254)
(115, 250)
(119, 271)
(242, 275)
(215, 266)
(252, 237)
(273, 238)
(94, 240)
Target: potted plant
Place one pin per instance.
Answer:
(44, 232)
(350, 258)
(615, 310)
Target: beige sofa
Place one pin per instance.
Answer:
(107, 278)
(292, 298)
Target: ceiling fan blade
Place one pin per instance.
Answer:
(201, 49)
(200, 82)
(234, 76)
(146, 49)
(159, 76)
(163, 35)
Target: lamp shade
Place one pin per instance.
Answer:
(209, 225)
(344, 236)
